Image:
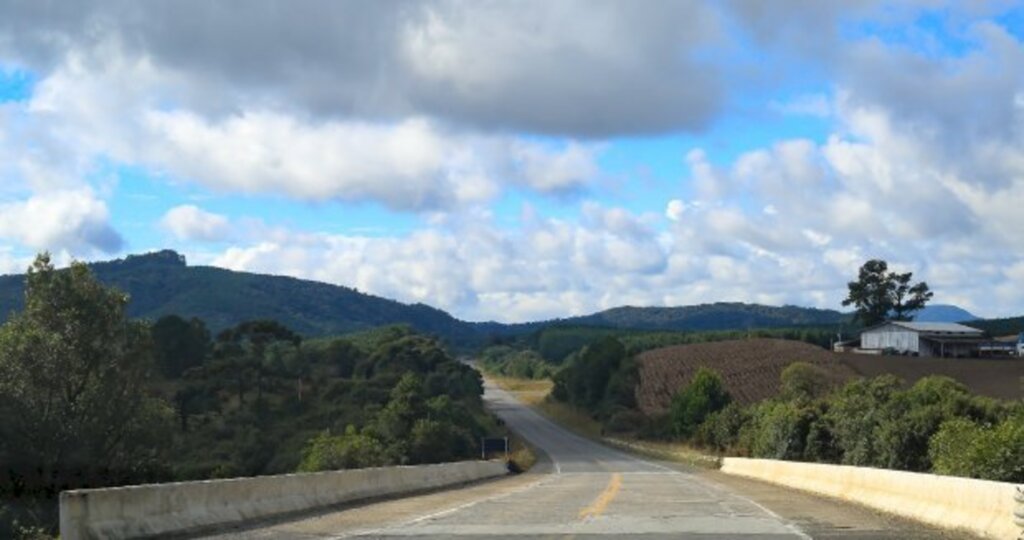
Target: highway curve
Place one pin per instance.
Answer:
(586, 490)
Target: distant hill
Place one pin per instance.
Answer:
(162, 283)
(1000, 327)
(718, 316)
(944, 313)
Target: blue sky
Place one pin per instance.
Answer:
(516, 162)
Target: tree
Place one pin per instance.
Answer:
(180, 344)
(880, 295)
(73, 370)
(696, 401)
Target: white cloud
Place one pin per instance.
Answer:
(74, 221)
(192, 223)
(675, 209)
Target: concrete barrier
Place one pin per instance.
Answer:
(160, 509)
(981, 507)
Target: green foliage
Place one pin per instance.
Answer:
(73, 404)
(1011, 326)
(518, 363)
(964, 448)
(600, 379)
(880, 295)
(267, 403)
(163, 284)
(694, 402)
(723, 430)
(803, 381)
(934, 425)
(782, 429)
(710, 317)
(351, 450)
(179, 345)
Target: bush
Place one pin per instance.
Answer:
(695, 401)
(781, 430)
(349, 451)
(963, 448)
(801, 380)
(626, 421)
(722, 430)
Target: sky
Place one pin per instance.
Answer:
(525, 160)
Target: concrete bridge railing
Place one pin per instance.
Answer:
(989, 509)
(161, 509)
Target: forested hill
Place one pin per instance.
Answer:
(162, 283)
(718, 316)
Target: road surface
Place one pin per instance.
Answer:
(585, 490)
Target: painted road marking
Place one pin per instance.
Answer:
(604, 499)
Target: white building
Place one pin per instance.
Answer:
(923, 339)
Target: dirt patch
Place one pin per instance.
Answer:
(751, 368)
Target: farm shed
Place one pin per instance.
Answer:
(924, 339)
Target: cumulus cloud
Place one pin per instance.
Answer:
(414, 164)
(538, 66)
(192, 223)
(73, 221)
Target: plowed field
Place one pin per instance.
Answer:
(750, 369)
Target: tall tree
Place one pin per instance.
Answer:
(881, 295)
(73, 409)
(180, 344)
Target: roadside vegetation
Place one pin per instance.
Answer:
(935, 425)
(91, 398)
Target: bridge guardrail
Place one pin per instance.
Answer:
(186, 507)
(989, 509)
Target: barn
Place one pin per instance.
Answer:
(948, 340)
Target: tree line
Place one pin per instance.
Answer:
(91, 398)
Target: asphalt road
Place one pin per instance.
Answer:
(583, 489)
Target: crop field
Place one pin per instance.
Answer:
(751, 368)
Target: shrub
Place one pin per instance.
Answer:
(695, 401)
(781, 430)
(349, 451)
(963, 448)
(801, 380)
(722, 430)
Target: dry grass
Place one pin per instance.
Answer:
(668, 451)
(528, 391)
(570, 418)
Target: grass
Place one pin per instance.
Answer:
(528, 391)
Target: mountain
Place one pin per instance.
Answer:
(163, 283)
(717, 316)
(944, 313)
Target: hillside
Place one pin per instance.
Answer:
(1000, 327)
(750, 369)
(944, 313)
(717, 316)
(162, 283)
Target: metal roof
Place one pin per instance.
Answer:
(932, 327)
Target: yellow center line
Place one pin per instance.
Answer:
(604, 499)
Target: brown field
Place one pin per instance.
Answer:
(750, 369)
